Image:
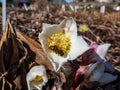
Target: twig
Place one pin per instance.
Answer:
(87, 39)
(95, 35)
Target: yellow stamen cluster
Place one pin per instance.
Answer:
(37, 80)
(59, 43)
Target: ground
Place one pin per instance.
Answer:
(104, 28)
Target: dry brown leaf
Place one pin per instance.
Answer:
(37, 49)
(16, 51)
(10, 57)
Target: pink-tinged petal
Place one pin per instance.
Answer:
(80, 72)
(109, 67)
(94, 45)
(95, 72)
(72, 88)
(107, 78)
(102, 50)
(78, 87)
(54, 88)
(60, 88)
(89, 57)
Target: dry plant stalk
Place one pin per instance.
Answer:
(14, 63)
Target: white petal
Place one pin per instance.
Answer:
(102, 50)
(45, 26)
(109, 67)
(29, 78)
(107, 78)
(43, 36)
(48, 31)
(57, 60)
(38, 70)
(69, 26)
(36, 88)
(78, 47)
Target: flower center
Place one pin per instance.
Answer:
(37, 80)
(59, 43)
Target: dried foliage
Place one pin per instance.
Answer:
(17, 52)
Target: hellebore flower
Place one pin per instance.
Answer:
(93, 75)
(97, 53)
(97, 70)
(36, 77)
(101, 51)
(61, 43)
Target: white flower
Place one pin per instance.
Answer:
(61, 43)
(96, 71)
(36, 77)
(94, 75)
(106, 77)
